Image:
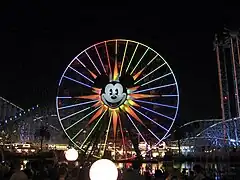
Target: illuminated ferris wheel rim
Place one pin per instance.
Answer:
(127, 41)
(124, 40)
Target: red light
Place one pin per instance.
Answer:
(225, 98)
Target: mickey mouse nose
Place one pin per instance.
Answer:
(114, 97)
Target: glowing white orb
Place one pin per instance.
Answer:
(103, 169)
(71, 154)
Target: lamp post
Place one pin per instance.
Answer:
(103, 169)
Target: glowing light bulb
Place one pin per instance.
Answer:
(103, 169)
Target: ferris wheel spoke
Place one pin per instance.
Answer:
(154, 135)
(92, 129)
(139, 60)
(154, 103)
(157, 113)
(123, 59)
(140, 72)
(108, 58)
(123, 137)
(136, 128)
(100, 59)
(149, 73)
(79, 82)
(116, 50)
(79, 104)
(147, 102)
(92, 62)
(153, 88)
(91, 73)
(76, 135)
(143, 96)
(132, 57)
(81, 74)
(150, 119)
(64, 97)
(169, 95)
(73, 114)
(165, 75)
(82, 119)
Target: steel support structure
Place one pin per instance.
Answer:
(228, 62)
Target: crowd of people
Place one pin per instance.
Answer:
(48, 170)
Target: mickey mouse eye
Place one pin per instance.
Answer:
(111, 91)
(116, 91)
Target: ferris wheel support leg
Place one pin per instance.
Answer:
(221, 88)
(135, 145)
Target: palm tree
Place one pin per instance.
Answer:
(43, 134)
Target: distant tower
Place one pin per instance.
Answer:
(228, 61)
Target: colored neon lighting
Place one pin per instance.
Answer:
(133, 114)
(79, 104)
(158, 87)
(64, 97)
(115, 72)
(157, 104)
(96, 115)
(92, 74)
(143, 96)
(82, 119)
(138, 74)
(123, 59)
(115, 121)
(73, 114)
(93, 129)
(81, 74)
(93, 97)
(165, 75)
(150, 119)
(136, 128)
(149, 73)
(108, 58)
(139, 61)
(170, 95)
(132, 57)
(100, 59)
(92, 62)
(76, 135)
(160, 114)
(78, 82)
(134, 94)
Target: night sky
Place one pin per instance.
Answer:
(38, 42)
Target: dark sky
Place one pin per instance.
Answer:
(39, 40)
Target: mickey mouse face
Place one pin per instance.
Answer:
(114, 95)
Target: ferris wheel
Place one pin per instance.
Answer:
(114, 95)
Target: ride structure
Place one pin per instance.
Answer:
(228, 61)
(114, 95)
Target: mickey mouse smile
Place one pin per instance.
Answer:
(113, 95)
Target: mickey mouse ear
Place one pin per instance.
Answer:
(101, 81)
(127, 80)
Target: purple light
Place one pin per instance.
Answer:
(149, 118)
(78, 82)
(158, 104)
